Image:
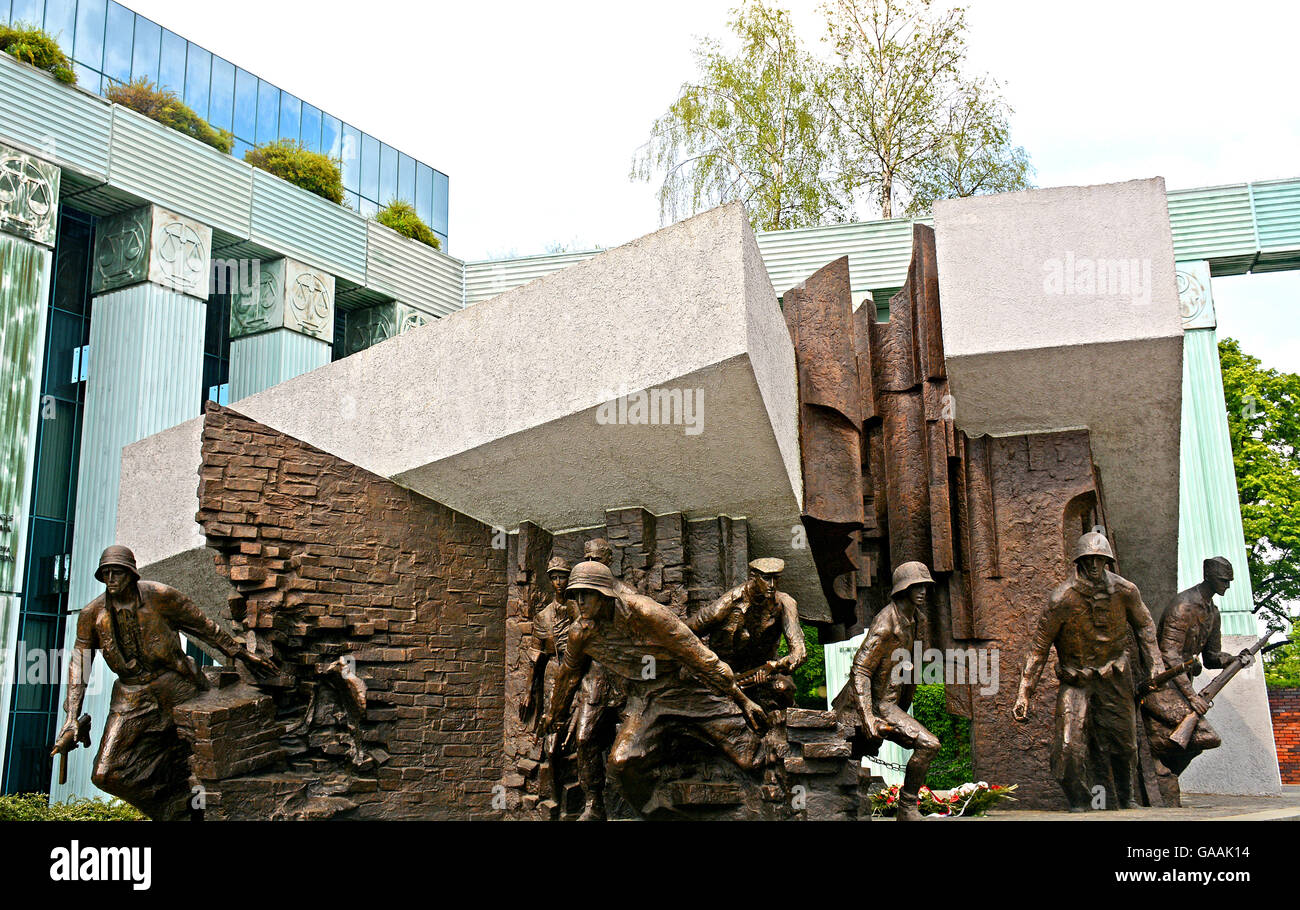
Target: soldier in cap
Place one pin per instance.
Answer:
(1088, 619)
(882, 682)
(744, 627)
(135, 625)
(671, 680)
(551, 633)
(1189, 628)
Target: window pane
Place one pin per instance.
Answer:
(71, 265)
(352, 201)
(171, 67)
(87, 78)
(369, 166)
(290, 116)
(55, 460)
(245, 105)
(221, 104)
(144, 59)
(198, 79)
(331, 136)
(118, 38)
(387, 175)
(406, 178)
(64, 358)
(368, 208)
(424, 193)
(29, 12)
(60, 21)
(268, 112)
(240, 149)
(439, 223)
(90, 33)
(311, 128)
(350, 151)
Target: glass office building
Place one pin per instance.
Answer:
(109, 43)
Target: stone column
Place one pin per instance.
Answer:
(374, 324)
(29, 193)
(1209, 524)
(282, 328)
(150, 281)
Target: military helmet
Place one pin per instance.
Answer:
(591, 575)
(598, 548)
(1217, 567)
(768, 565)
(908, 574)
(557, 564)
(118, 557)
(1094, 543)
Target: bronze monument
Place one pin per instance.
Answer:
(882, 682)
(667, 672)
(135, 625)
(744, 627)
(1088, 619)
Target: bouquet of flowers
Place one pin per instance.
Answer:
(968, 799)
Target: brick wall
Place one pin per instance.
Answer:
(385, 611)
(1284, 704)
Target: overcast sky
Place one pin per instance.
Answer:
(535, 110)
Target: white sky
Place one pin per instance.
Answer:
(534, 110)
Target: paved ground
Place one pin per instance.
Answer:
(1196, 807)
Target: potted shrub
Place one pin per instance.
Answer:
(167, 108)
(37, 48)
(401, 217)
(314, 172)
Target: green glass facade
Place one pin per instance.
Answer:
(109, 43)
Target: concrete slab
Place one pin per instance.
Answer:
(496, 410)
(1060, 310)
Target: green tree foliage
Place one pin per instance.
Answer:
(752, 127)
(1282, 667)
(38, 48)
(952, 767)
(890, 117)
(910, 123)
(35, 807)
(167, 108)
(314, 172)
(1264, 424)
(401, 217)
(810, 676)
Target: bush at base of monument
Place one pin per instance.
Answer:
(36, 807)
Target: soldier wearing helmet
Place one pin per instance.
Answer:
(1088, 619)
(648, 647)
(744, 627)
(600, 700)
(135, 625)
(882, 682)
(1189, 627)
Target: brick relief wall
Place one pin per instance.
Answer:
(1284, 704)
(385, 611)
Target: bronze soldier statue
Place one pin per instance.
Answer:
(551, 634)
(599, 702)
(882, 682)
(670, 677)
(744, 627)
(1189, 628)
(1088, 619)
(135, 625)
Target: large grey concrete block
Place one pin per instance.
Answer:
(1032, 346)
(496, 410)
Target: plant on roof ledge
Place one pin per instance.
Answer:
(314, 172)
(168, 109)
(401, 217)
(37, 48)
